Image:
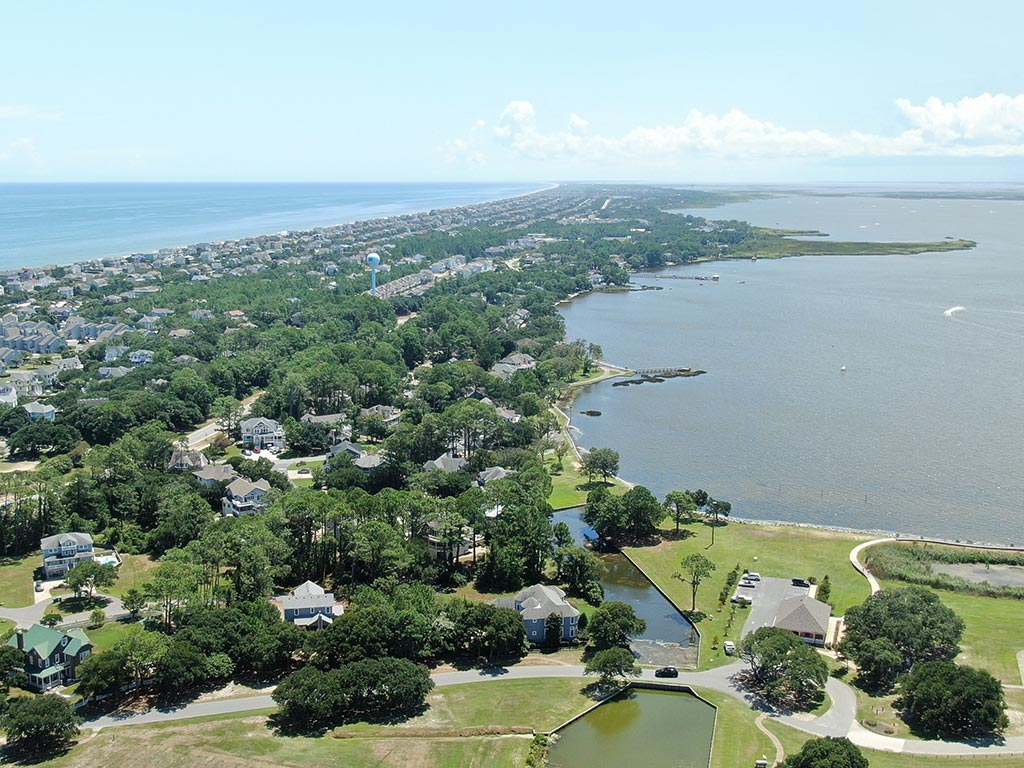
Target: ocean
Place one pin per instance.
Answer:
(921, 433)
(63, 223)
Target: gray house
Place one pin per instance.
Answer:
(538, 602)
(51, 656)
(310, 606)
(64, 551)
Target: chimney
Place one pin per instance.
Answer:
(21, 639)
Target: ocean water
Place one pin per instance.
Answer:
(63, 223)
(922, 433)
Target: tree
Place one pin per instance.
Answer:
(133, 601)
(613, 624)
(102, 674)
(697, 569)
(553, 630)
(641, 512)
(947, 700)
(50, 619)
(11, 659)
(783, 667)
(228, 413)
(827, 752)
(913, 619)
(716, 509)
(879, 663)
(600, 461)
(43, 723)
(613, 663)
(680, 506)
(97, 617)
(86, 577)
(578, 568)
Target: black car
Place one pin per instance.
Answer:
(800, 582)
(666, 672)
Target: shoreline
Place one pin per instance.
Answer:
(296, 231)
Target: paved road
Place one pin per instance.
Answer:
(24, 618)
(839, 720)
(861, 569)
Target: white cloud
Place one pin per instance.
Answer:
(23, 149)
(975, 126)
(27, 112)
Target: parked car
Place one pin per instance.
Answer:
(666, 672)
(752, 576)
(304, 471)
(730, 648)
(748, 583)
(39, 586)
(743, 599)
(246, 452)
(800, 583)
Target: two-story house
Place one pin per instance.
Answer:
(51, 656)
(244, 497)
(40, 411)
(64, 551)
(310, 606)
(262, 433)
(538, 602)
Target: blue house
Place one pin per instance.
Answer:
(538, 602)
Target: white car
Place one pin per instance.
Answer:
(748, 584)
(752, 576)
(730, 648)
(738, 598)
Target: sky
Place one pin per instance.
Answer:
(739, 92)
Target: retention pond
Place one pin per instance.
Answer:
(652, 728)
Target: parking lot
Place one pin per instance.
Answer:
(767, 596)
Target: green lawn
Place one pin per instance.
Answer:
(104, 637)
(133, 573)
(737, 741)
(17, 580)
(569, 486)
(429, 740)
(783, 551)
(6, 628)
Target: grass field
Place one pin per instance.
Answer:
(429, 740)
(737, 741)
(569, 486)
(133, 573)
(17, 579)
(783, 551)
(104, 637)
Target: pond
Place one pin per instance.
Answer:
(996, 575)
(669, 634)
(652, 728)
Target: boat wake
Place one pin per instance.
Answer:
(952, 311)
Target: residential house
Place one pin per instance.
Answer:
(443, 545)
(329, 419)
(490, 474)
(345, 448)
(310, 606)
(141, 357)
(186, 461)
(113, 351)
(215, 473)
(509, 365)
(805, 617)
(64, 551)
(388, 413)
(52, 656)
(244, 497)
(112, 371)
(8, 394)
(538, 602)
(368, 461)
(180, 333)
(40, 411)
(446, 463)
(262, 433)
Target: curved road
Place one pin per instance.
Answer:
(839, 720)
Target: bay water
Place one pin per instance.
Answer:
(922, 433)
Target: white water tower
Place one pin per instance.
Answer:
(374, 261)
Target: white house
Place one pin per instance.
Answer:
(262, 433)
(40, 411)
(310, 606)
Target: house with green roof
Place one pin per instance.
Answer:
(52, 657)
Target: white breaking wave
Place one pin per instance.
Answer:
(952, 311)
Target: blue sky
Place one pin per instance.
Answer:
(672, 91)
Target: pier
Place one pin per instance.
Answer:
(702, 278)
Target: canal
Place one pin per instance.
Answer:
(670, 638)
